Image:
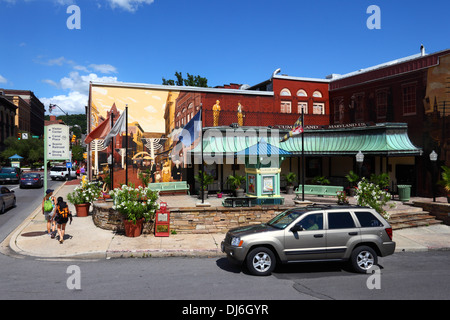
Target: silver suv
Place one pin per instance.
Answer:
(312, 233)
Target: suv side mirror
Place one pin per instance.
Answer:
(296, 228)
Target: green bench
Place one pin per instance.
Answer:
(175, 186)
(318, 190)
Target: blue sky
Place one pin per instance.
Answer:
(239, 41)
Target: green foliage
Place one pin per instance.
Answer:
(191, 81)
(207, 179)
(370, 194)
(236, 181)
(290, 178)
(86, 192)
(382, 180)
(445, 175)
(352, 177)
(32, 150)
(135, 203)
(320, 180)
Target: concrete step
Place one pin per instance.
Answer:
(410, 217)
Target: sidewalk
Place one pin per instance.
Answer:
(83, 240)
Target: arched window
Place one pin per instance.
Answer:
(317, 94)
(301, 93)
(285, 93)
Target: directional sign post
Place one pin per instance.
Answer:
(56, 145)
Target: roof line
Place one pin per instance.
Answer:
(180, 88)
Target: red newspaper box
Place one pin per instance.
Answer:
(162, 221)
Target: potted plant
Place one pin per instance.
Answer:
(445, 181)
(136, 205)
(342, 197)
(290, 179)
(320, 180)
(353, 178)
(236, 181)
(219, 194)
(207, 180)
(83, 195)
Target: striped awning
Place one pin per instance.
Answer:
(386, 139)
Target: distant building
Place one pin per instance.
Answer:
(30, 115)
(7, 116)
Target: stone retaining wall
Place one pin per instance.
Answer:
(191, 220)
(440, 210)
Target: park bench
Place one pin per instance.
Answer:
(318, 190)
(169, 187)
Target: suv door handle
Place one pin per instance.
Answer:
(352, 233)
(318, 236)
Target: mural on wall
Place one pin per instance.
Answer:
(146, 133)
(437, 108)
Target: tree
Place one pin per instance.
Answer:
(191, 81)
(32, 150)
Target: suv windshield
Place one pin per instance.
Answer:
(58, 169)
(8, 170)
(285, 218)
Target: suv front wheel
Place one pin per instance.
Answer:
(261, 261)
(363, 258)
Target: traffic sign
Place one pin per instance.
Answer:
(57, 142)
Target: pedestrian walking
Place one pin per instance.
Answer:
(47, 209)
(61, 216)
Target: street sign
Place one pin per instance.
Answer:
(57, 142)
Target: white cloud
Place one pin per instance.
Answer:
(78, 87)
(3, 79)
(103, 68)
(151, 109)
(128, 5)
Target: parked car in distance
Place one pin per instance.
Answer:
(312, 233)
(31, 180)
(10, 174)
(62, 173)
(7, 199)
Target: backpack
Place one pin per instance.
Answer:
(63, 211)
(48, 205)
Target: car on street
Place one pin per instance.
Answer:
(10, 174)
(7, 199)
(31, 180)
(62, 173)
(313, 233)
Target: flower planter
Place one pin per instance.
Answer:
(82, 209)
(133, 230)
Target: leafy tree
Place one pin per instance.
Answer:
(32, 150)
(191, 80)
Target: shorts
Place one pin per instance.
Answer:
(61, 220)
(48, 215)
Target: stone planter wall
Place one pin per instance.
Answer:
(191, 220)
(440, 210)
(105, 217)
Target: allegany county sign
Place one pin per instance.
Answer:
(57, 142)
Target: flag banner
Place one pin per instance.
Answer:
(191, 130)
(99, 132)
(119, 126)
(296, 130)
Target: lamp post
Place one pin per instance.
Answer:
(359, 161)
(433, 159)
(53, 106)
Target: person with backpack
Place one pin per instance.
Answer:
(61, 216)
(47, 209)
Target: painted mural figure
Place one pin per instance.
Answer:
(166, 172)
(216, 113)
(240, 115)
(176, 171)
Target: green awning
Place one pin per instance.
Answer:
(386, 139)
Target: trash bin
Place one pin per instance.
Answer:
(404, 192)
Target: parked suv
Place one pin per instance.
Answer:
(312, 233)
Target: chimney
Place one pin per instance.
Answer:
(422, 50)
(52, 118)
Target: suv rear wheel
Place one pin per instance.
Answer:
(363, 258)
(261, 261)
